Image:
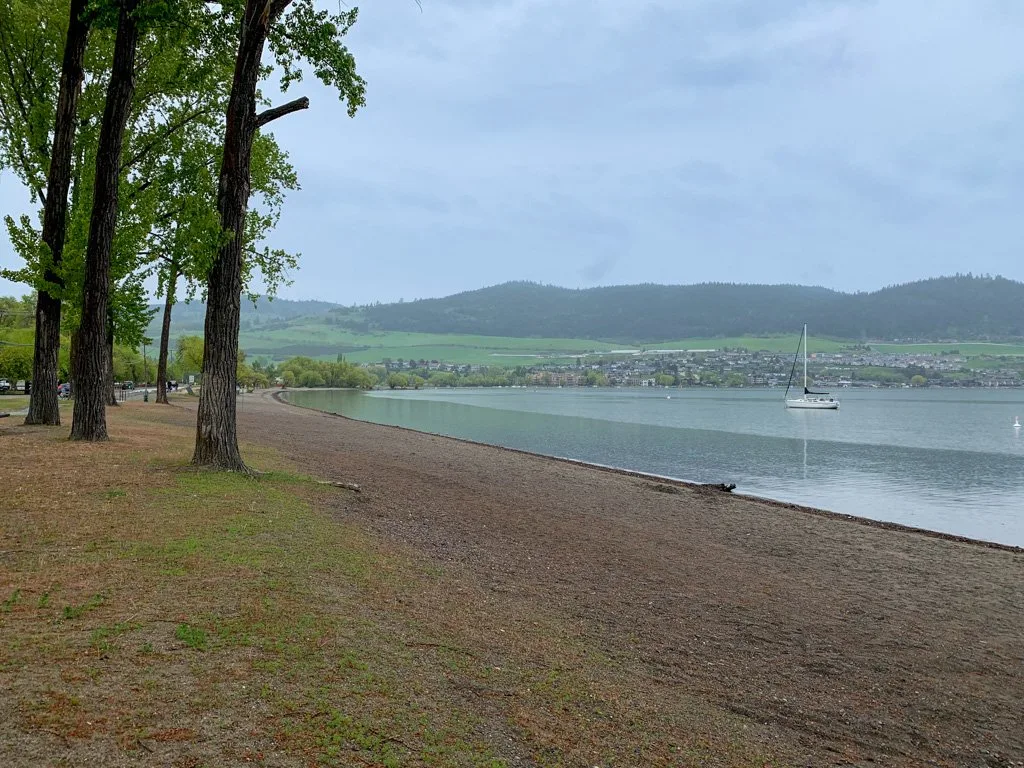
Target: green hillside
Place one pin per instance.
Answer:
(321, 340)
(961, 307)
(968, 349)
(519, 323)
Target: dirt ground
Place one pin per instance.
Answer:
(560, 615)
(853, 644)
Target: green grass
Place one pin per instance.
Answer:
(101, 637)
(77, 611)
(967, 349)
(785, 343)
(326, 342)
(13, 402)
(193, 637)
(10, 602)
(17, 335)
(354, 651)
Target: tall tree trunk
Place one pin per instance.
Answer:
(216, 425)
(90, 418)
(43, 407)
(165, 335)
(72, 357)
(109, 377)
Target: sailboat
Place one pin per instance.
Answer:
(820, 401)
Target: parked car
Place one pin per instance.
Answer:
(5, 385)
(127, 385)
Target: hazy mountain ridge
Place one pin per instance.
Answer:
(189, 318)
(962, 307)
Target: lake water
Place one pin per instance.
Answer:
(943, 459)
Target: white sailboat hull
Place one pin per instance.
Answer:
(811, 401)
(814, 403)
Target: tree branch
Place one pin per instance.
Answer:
(170, 130)
(277, 8)
(285, 109)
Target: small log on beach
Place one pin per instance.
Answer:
(724, 487)
(339, 484)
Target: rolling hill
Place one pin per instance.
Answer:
(960, 307)
(189, 318)
(513, 322)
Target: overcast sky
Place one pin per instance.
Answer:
(845, 143)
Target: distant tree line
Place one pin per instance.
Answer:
(17, 321)
(307, 372)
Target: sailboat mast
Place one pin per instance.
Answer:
(805, 357)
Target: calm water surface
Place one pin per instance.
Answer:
(947, 460)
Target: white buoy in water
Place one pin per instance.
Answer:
(668, 397)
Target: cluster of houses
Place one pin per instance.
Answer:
(859, 366)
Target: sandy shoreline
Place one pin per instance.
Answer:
(839, 642)
(281, 396)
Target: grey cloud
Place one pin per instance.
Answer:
(594, 141)
(598, 269)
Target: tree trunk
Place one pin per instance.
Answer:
(109, 379)
(90, 419)
(216, 425)
(43, 407)
(72, 357)
(165, 336)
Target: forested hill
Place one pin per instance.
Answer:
(961, 307)
(189, 318)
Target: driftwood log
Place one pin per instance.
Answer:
(339, 484)
(701, 487)
(726, 487)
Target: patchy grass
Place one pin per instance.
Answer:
(195, 618)
(11, 601)
(193, 637)
(11, 403)
(77, 611)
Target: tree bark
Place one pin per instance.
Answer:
(43, 407)
(72, 357)
(165, 335)
(216, 425)
(109, 378)
(90, 419)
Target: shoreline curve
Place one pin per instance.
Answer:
(279, 396)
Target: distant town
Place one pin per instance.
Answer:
(853, 367)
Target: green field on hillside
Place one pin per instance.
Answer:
(325, 341)
(783, 344)
(18, 336)
(967, 349)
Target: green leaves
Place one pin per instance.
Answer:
(31, 43)
(190, 354)
(167, 209)
(315, 36)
